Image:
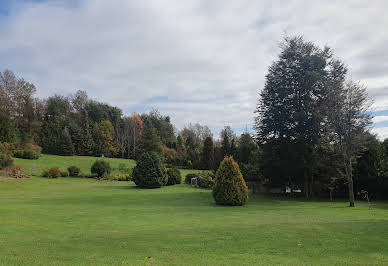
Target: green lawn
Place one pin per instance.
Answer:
(88, 222)
(36, 167)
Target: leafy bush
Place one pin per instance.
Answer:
(206, 179)
(64, 174)
(15, 172)
(189, 177)
(149, 171)
(100, 167)
(18, 154)
(170, 156)
(250, 172)
(230, 187)
(174, 176)
(122, 176)
(26, 154)
(4, 149)
(37, 149)
(74, 171)
(53, 172)
(5, 161)
(30, 154)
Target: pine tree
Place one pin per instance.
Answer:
(150, 142)
(230, 187)
(65, 144)
(149, 171)
(290, 112)
(7, 129)
(245, 147)
(207, 159)
(88, 145)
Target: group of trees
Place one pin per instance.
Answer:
(312, 123)
(311, 128)
(77, 125)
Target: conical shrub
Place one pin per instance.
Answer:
(149, 171)
(230, 187)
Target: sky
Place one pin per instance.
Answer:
(196, 61)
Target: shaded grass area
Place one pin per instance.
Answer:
(69, 221)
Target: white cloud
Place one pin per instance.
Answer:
(208, 57)
(382, 132)
(378, 119)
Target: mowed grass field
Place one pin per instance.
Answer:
(36, 167)
(74, 221)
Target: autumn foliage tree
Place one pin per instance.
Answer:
(106, 136)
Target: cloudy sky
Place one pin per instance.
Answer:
(197, 61)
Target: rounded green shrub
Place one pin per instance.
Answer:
(26, 154)
(206, 179)
(189, 177)
(53, 172)
(64, 174)
(30, 154)
(174, 176)
(100, 168)
(230, 187)
(5, 161)
(149, 171)
(73, 171)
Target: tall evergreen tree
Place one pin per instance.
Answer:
(207, 159)
(289, 112)
(245, 147)
(7, 129)
(150, 141)
(87, 144)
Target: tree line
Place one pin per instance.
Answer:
(78, 125)
(311, 128)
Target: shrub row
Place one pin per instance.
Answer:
(26, 154)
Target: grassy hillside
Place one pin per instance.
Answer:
(70, 221)
(36, 167)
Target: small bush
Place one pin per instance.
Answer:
(15, 172)
(18, 154)
(74, 171)
(37, 149)
(53, 172)
(174, 176)
(189, 177)
(5, 161)
(100, 167)
(26, 154)
(30, 154)
(64, 174)
(149, 171)
(206, 179)
(230, 187)
(4, 149)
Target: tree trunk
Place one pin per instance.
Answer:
(350, 184)
(306, 184)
